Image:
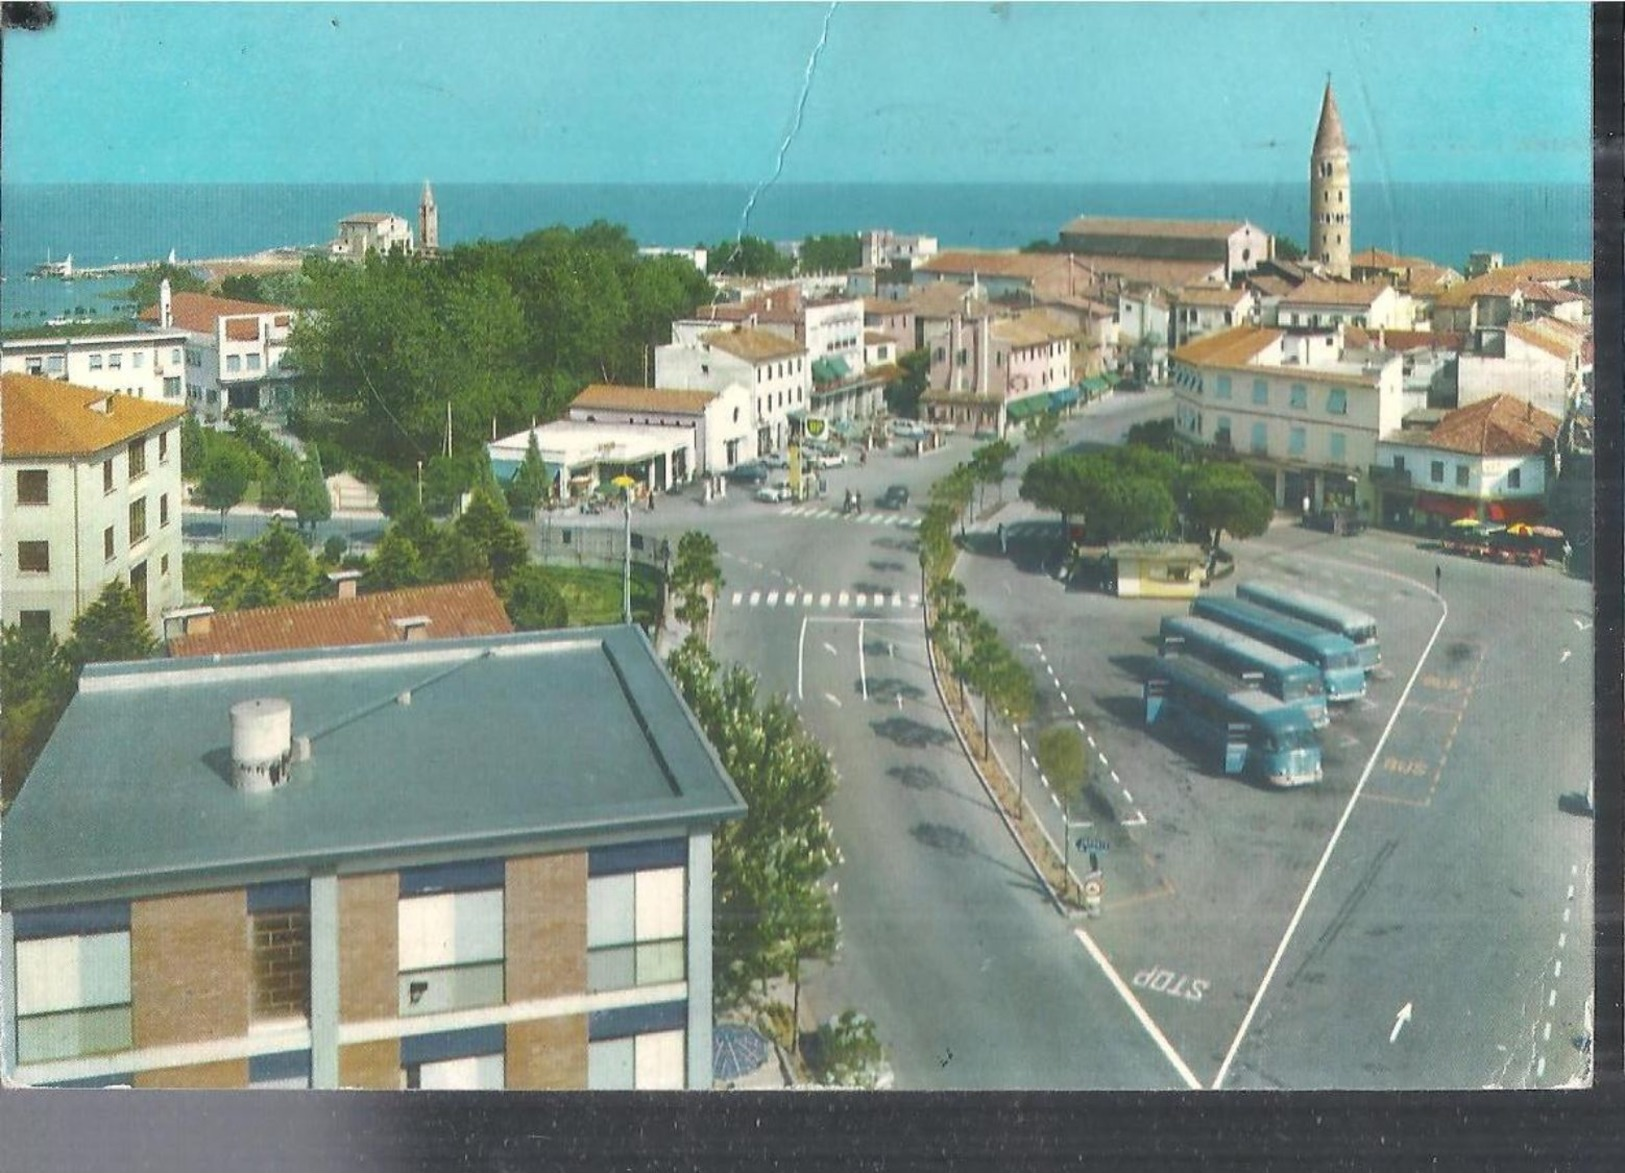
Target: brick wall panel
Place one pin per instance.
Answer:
(228, 1073)
(375, 1066)
(368, 947)
(548, 1054)
(189, 968)
(545, 926)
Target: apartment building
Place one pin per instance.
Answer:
(90, 489)
(775, 370)
(1321, 305)
(1209, 307)
(235, 350)
(469, 863)
(148, 365)
(1540, 362)
(1304, 410)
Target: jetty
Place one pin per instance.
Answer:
(272, 260)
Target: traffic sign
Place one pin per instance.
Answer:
(1093, 888)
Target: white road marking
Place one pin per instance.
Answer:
(737, 596)
(1563, 659)
(1571, 892)
(896, 599)
(830, 648)
(1551, 999)
(1041, 654)
(863, 600)
(1562, 940)
(1331, 845)
(1137, 821)
(1091, 739)
(1540, 1068)
(899, 700)
(1400, 1020)
(1565, 916)
(832, 699)
(1127, 795)
(1546, 1035)
(1127, 994)
(1102, 758)
(1071, 712)
(843, 599)
(755, 597)
(1574, 869)
(823, 599)
(1582, 626)
(1557, 968)
(863, 671)
(801, 656)
(772, 598)
(1064, 701)
(1116, 779)
(789, 598)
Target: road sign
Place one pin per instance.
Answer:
(1093, 888)
(1099, 846)
(817, 425)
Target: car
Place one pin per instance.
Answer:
(895, 497)
(828, 459)
(775, 460)
(747, 474)
(774, 492)
(908, 429)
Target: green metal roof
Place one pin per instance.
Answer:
(536, 741)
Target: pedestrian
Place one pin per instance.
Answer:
(1438, 577)
(1003, 547)
(857, 501)
(846, 502)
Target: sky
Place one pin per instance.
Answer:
(916, 92)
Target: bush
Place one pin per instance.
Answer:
(847, 1053)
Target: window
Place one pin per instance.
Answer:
(279, 951)
(938, 355)
(95, 362)
(1436, 472)
(1260, 438)
(454, 1060)
(1295, 442)
(1221, 430)
(138, 359)
(1399, 464)
(636, 916)
(172, 387)
(54, 364)
(1515, 478)
(163, 566)
(109, 545)
(234, 363)
(115, 361)
(175, 357)
(38, 622)
(638, 1048)
(451, 947)
(1461, 476)
(1337, 445)
(34, 365)
(73, 982)
(1223, 389)
(1337, 401)
(1261, 391)
(163, 510)
(1300, 397)
(138, 458)
(34, 487)
(163, 447)
(288, 1071)
(34, 557)
(138, 520)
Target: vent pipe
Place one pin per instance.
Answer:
(413, 628)
(261, 744)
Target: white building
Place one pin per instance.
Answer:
(583, 458)
(90, 488)
(720, 421)
(1537, 362)
(882, 247)
(235, 350)
(774, 370)
(698, 257)
(148, 365)
(1209, 307)
(1302, 409)
(1488, 461)
(379, 232)
(1321, 305)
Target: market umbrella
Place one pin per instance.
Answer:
(1520, 529)
(736, 1050)
(1464, 522)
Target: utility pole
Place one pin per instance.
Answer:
(625, 482)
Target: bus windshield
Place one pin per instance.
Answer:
(1287, 739)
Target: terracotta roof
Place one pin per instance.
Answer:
(753, 345)
(1270, 286)
(1501, 426)
(198, 312)
(1341, 293)
(939, 299)
(880, 306)
(1425, 279)
(369, 218)
(1553, 270)
(1210, 295)
(1503, 283)
(612, 397)
(1329, 138)
(1376, 258)
(453, 610)
(988, 263)
(1031, 329)
(1551, 343)
(877, 337)
(43, 417)
(1546, 294)
(1167, 274)
(1400, 341)
(1172, 229)
(1227, 348)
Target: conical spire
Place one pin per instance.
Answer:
(1329, 134)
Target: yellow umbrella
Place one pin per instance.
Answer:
(1464, 522)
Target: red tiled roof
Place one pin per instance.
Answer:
(1500, 426)
(1558, 346)
(1227, 348)
(198, 312)
(1172, 229)
(610, 397)
(1399, 341)
(453, 609)
(43, 417)
(753, 345)
(1341, 293)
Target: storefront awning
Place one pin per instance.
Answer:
(1516, 511)
(829, 370)
(1020, 409)
(1065, 397)
(1442, 506)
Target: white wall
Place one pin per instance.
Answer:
(1487, 476)
(144, 363)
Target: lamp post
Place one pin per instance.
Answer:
(625, 482)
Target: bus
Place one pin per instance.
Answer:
(1337, 658)
(1282, 676)
(1355, 626)
(1245, 728)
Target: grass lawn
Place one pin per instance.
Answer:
(594, 596)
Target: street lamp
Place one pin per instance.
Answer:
(625, 482)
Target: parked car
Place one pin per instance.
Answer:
(908, 429)
(775, 460)
(1344, 523)
(895, 497)
(829, 458)
(748, 474)
(774, 492)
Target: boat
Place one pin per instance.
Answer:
(62, 269)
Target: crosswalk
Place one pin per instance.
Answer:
(824, 600)
(818, 512)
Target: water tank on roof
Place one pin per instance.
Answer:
(261, 744)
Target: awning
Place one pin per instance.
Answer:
(1065, 397)
(829, 370)
(1516, 511)
(1442, 506)
(1020, 409)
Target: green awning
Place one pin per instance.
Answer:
(1095, 384)
(829, 370)
(1020, 409)
(1065, 397)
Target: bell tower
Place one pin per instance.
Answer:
(428, 222)
(1331, 219)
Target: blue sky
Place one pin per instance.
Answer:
(1027, 92)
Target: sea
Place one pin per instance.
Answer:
(105, 223)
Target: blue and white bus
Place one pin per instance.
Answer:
(1353, 625)
(1337, 658)
(1241, 728)
(1280, 674)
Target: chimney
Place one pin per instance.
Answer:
(166, 311)
(413, 628)
(261, 744)
(345, 582)
(190, 620)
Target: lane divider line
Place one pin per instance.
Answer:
(1145, 1020)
